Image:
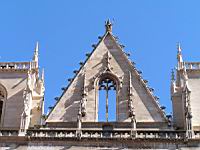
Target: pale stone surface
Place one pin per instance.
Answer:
(24, 94)
(185, 95)
(73, 122)
(194, 85)
(14, 84)
(146, 109)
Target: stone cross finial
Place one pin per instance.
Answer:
(108, 26)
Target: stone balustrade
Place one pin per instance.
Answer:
(9, 133)
(109, 134)
(192, 65)
(121, 134)
(17, 65)
(51, 133)
(197, 134)
(161, 134)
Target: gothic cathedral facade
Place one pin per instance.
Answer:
(75, 121)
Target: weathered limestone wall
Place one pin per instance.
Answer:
(178, 111)
(146, 109)
(36, 114)
(191, 79)
(14, 83)
(194, 86)
(99, 145)
(67, 108)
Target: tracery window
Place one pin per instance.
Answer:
(107, 99)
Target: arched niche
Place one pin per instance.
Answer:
(3, 97)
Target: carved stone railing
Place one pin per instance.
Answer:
(161, 134)
(9, 133)
(139, 134)
(120, 134)
(197, 134)
(17, 65)
(192, 65)
(51, 133)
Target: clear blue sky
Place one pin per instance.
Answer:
(66, 29)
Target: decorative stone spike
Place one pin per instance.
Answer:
(180, 64)
(94, 45)
(128, 54)
(63, 88)
(140, 72)
(108, 26)
(56, 98)
(70, 79)
(169, 116)
(75, 71)
(162, 107)
(179, 47)
(99, 37)
(145, 81)
(44, 116)
(116, 37)
(133, 62)
(50, 107)
(87, 54)
(42, 76)
(130, 101)
(151, 89)
(83, 100)
(172, 75)
(81, 63)
(122, 46)
(36, 55)
(107, 59)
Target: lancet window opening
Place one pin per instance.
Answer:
(107, 84)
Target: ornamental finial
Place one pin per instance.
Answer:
(108, 26)
(35, 56)
(179, 57)
(179, 47)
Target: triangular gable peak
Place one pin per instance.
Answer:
(107, 62)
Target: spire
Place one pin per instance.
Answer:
(108, 61)
(179, 57)
(35, 56)
(29, 85)
(42, 76)
(179, 47)
(130, 82)
(84, 94)
(130, 102)
(108, 26)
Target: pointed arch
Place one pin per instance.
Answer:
(3, 97)
(108, 77)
